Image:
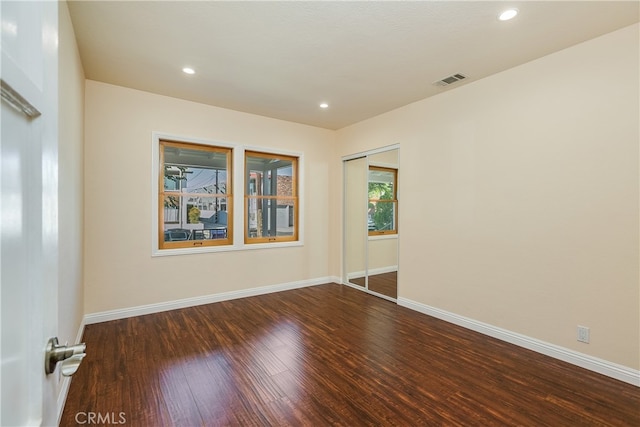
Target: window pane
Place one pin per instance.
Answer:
(172, 210)
(382, 215)
(270, 217)
(285, 179)
(269, 176)
(195, 171)
(381, 191)
(381, 184)
(271, 197)
(195, 218)
(195, 180)
(195, 194)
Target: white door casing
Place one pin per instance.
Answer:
(28, 210)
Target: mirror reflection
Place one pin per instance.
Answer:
(371, 223)
(355, 235)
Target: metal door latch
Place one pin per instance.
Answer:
(70, 356)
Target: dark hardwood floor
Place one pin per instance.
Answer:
(328, 355)
(384, 283)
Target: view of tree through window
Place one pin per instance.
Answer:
(195, 195)
(383, 203)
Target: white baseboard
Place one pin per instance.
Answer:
(66, 381)
(335, 279)
(591, 363)
(141, 310)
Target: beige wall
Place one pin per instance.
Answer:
(519, 197)
(70, 180)
(119, 269)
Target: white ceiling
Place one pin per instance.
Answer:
(281, 59)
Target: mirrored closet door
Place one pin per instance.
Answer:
(371, 222)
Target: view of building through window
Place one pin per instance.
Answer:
(195, 194)
(271, 206)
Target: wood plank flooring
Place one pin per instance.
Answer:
(328, 355)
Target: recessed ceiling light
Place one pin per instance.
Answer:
(508, 14)
(188, 70)
(324, 105)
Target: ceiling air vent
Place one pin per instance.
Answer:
(450, 79)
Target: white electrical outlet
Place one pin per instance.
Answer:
(583, 334)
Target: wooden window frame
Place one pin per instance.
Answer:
(228, 240)
(394, 200)
(295, 163)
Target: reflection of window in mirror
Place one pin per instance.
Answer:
(382, 214)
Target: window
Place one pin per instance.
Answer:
(271, 198)
(382, 214)
(195, 196)
(193, 207)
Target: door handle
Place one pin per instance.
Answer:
(70, 356)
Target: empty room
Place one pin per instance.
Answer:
(311, 213)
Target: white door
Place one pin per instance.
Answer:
(28, 210)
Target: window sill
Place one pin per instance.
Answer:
(212, 249)
(384, 236)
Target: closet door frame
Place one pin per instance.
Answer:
(346, 280)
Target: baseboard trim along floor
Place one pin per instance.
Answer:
(610, 369)
(141, 310)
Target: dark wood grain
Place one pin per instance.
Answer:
(329, 355)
